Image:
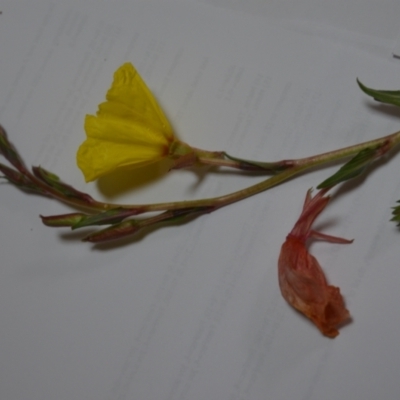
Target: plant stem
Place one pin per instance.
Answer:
(294, 168)
(283, 170)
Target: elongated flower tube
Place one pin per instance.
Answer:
(129, 130)
(301, 279)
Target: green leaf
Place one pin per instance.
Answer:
(384, 96)
(272, 167)
(355, 167)
(396, 214)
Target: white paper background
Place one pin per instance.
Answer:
(194, 311)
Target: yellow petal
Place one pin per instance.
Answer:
(130, 98)
(129, 129)
(99, 155)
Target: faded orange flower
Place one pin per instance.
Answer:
(301, 279)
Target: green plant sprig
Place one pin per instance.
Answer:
(119, 219)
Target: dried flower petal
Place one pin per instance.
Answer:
(301, 278)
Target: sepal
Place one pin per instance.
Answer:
(59, 186)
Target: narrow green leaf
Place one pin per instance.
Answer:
(355, 167)
(396, 214)
(273, 167)
(384, 96)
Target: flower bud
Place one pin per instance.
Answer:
(63, 219)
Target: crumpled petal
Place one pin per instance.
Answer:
(129, 129)
(301, 279)
(304, 286)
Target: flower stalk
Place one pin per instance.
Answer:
(146, 129)
(45, 183)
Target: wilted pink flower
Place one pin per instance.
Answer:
(301, 279)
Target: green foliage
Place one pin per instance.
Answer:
(396, 214)
(384, 96)
(353, 168)
(271, 167)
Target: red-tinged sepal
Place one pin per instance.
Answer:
(9, 151)
(109, 217)
(117, 231)
(62, 188)
(329, 238)
(63, 219)
(20, 180)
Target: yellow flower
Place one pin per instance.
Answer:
(129, 129)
